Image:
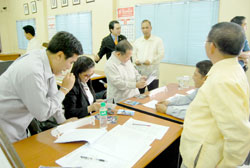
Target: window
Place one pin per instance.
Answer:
(22, 41)
(80, 25)
(183, 26)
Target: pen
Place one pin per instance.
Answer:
(90, 158)
(141, 124)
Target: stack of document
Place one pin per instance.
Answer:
(74, 135)
(121, 147)
(151, 104)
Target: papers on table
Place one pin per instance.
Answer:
(150, 79)
(121, 147)
(74, 135)
(151, 104)
(155, 130)
(158, 90)
(59, 130)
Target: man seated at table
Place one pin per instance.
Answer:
(177, 105)
(122, 77)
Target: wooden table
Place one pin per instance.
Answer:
(172, 89)
(9, 56)
(40, 149)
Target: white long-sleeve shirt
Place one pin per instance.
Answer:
(151, 49)
(121, 79)
(33, 44)
(28, 90)
(178, 104)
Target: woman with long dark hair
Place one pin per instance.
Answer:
(81, 100)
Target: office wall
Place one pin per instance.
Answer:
(228, 9)
(102, 12)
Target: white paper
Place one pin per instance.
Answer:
(158, 90)
(89, 135)
(74, 159)
(155, 130)
(121, 147)
(59, 130)
(123, 142)
(151, 104)
(150, 79)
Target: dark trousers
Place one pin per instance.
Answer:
(151, 86)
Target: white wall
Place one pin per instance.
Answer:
(103, 11)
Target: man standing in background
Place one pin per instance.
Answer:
(110, 41)
(245, 54)
(147, 55)
(33, 43)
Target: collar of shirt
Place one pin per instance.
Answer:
(116, 60)
(47, 68)
(221, 65)
(113, 37)
(151, 38)
(33, 39)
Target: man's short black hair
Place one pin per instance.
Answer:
(238, 20)
(65, 42)
(123, 46)
(146, 21)
(29, 29)
(204, 67)
(228, 37)
(112, 24)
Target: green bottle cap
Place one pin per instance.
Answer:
(103, 104)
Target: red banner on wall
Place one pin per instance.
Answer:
(125, 12)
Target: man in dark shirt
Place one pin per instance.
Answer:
(245, 54)
(109, 42)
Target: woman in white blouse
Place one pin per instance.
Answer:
(81, 100)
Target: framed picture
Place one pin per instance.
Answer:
(33, 6)
(26, 8)
(75, 2)
(64, 3)
(88, 1)
(53, 4)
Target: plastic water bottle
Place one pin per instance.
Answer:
(103, 116)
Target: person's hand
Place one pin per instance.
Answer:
(244, 56)
(96, 58)
(67, 83)
(95, 106)
(141, 84)
(100, 100)
(161, 108)
(165, 102)
(143, 78)
(137, 62)
(147, 62)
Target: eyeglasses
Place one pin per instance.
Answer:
(88, 75)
